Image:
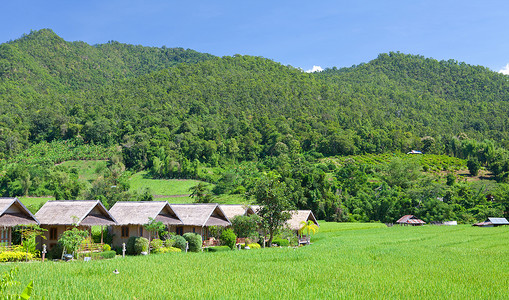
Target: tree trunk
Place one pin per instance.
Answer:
(271, 235)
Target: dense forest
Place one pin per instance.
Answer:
(176, 112)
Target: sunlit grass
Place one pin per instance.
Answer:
(346, 261)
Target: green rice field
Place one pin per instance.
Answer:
(345, 261)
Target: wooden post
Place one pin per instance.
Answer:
(102, 241)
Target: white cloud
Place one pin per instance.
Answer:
(319, 69)
(505, 70)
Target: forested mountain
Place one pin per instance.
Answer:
(173, 110)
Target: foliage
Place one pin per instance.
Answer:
(106, 248)
(218, 248)
(200, 193)
(245, 226)
(194, 240)
(156, 243)
(7, 280)
(29, 234)
(106, 235)
(129, 247)
(140, 245)
(10, 256)
(56, 251)
(180, 242)
(254, 246)
(281, 242)
(72, 238)
(228, 238)
(308, 227)
(216, 231)
(473, 166)
(166, 250)
(154, 227)
(270, 193)
(103, 255)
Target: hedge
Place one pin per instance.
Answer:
(218, 249)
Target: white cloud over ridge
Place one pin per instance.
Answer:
(505, 70)
(320, 69)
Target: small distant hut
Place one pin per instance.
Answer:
(493, 222)
(61, 215)
(295, 223)
(198, 217)
(132, 215)
(233, 210)
(13, 213)
(410, 220)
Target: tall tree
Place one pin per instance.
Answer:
(272, 195)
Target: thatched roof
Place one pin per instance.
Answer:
(298, 216)
(79, 212)
(255, 208)
(139, 212)
(198, 214)
(232, 210)
(13, 212)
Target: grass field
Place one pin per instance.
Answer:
(168, 187)
(88, 170)
(346, 261)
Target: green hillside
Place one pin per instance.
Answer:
(233, 121)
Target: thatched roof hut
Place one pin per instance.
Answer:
(233, 210)
(13, 212)
(201, 214)
(75, 212)
(139, 212)
(298, 216)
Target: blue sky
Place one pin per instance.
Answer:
(298, 33)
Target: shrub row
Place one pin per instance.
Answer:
(15, 256)
(281, 242)
(218, 249)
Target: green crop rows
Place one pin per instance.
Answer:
(347, 261)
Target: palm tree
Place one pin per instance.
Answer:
(308, 226)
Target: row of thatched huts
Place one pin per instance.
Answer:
(125, 218)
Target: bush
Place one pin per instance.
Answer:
(179, 242)
(281, 242)
(166, 250)
(169, 243)
(108, 254)
(156, 244)
(129, 247)
(106, 247)
(218, 249)
(254, 246)
(117, 249)
(228, 238)
(15, 256)
(55, 252)
(103, 255)
(140, 245)
(194, 241)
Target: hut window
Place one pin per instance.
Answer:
(180, 230)
(125, 231)
(4, 238)
(194, 230)
(53, 235)
(141, 230)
